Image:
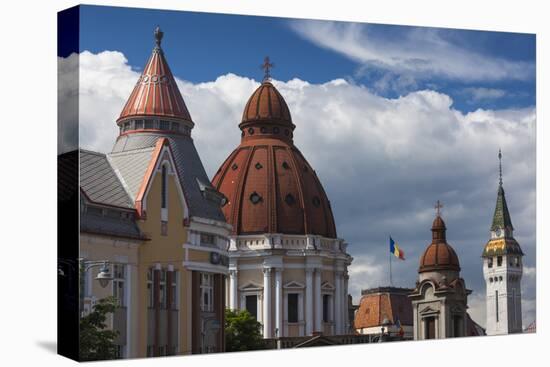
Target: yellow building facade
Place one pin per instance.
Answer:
(149, 211)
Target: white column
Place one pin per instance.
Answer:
(318, 301)
(345, 306)
(267, 303)
(278, 302)
(309, 301)
(338, 303)
(233, 297)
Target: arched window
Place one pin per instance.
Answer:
(164, 188)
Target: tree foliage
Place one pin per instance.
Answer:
(242, 331)
(96, 341)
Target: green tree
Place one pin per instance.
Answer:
(242, 331)
(96, 341)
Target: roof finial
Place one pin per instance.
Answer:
(158, 36)
(438, 207)
(267, 67)
(500, 167)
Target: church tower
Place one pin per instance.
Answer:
(440, 298)
(502, 270)
(287, 266)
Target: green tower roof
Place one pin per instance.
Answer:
(501, 218)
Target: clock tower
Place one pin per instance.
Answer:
(502, 270)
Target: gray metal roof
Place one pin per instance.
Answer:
(189, 168)
(109, 226)
(130, 166)
(99, 182)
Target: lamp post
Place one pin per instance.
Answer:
(104, 276)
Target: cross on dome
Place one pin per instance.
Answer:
(438, 207)
(267, 66)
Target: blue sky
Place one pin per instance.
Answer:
(202, 46)
(392, 118)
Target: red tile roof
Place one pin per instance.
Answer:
(156, 92)
(386, 302)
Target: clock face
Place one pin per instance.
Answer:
(498, 232)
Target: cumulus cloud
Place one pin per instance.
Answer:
(422, 52)
(383, 162)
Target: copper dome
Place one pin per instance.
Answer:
(439, 255)
(268, 106)
(270, 186)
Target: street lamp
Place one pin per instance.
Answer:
(104, 276)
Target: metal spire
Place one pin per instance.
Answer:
(500, 167)
(158, 36)
(267, 66)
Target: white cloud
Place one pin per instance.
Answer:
(422, 52)
(483, 94)
(383, 162)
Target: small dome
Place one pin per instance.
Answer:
(439, 255)
(266, 105)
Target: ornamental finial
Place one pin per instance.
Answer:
(267, 66)
(158, 36)
(438, 207)
(500, 167)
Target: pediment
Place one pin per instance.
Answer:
(251, 286)
(294, 285)
(327, 286)
(428, 310)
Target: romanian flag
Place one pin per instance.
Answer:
(395, 250)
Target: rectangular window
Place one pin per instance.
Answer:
(252, 305)
(150, 296)
(164, 188)
(499, 260)
(149, 124)
(429, 331)
(176, 126)
(490, 262)
(150, 350)
(174, 304)
(208, 239)
(496, 304)
(164, 125)
(326, 308)
(292, 307)
(457, 325)
(139, 124)
(118, 284)
(207, 292)
(162, 289)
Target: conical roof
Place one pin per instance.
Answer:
(501, 217)
(156, 93)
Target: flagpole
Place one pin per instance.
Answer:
(391, 279)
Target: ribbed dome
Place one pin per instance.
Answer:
(270, 186)
(266, 105)
(156, 93)
(439, 255)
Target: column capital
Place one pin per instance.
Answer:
(233, 272)
(267, 270)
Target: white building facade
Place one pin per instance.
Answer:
(502, 270)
